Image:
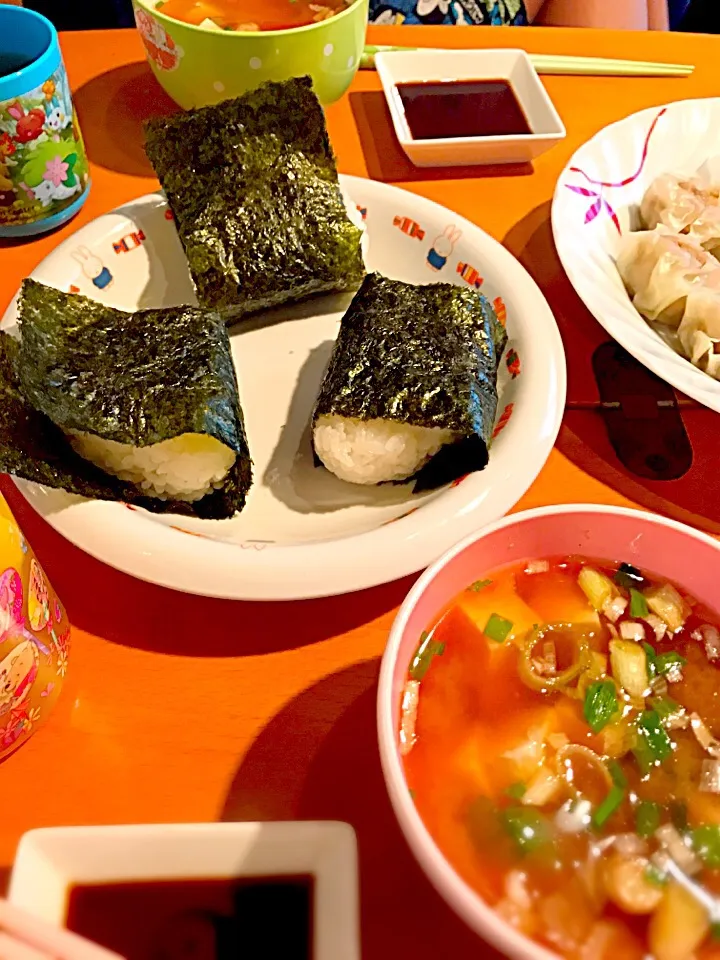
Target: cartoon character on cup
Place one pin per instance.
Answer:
(38, 600)
(11, 601)
(47, 191)
(93, 268)
(443, 247)
(55, 117)
(28, 126)
(18, 672)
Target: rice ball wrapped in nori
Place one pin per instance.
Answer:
(411, 388)
(149, 398)
(254, 190)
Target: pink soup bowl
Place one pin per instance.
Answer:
(672, 550)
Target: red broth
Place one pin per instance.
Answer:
(558, 731)
(212, 919)
(253, 14)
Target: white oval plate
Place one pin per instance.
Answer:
(596, 201)
(303, 532)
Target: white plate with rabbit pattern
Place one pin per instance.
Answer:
(305, 533)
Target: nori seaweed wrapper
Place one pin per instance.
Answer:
(137, 378)
(254, 190)
(426, 356)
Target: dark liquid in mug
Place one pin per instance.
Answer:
(10, 62)
(211, 919)
(438, 110)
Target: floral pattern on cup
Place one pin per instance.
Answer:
(34, 639)
(43, 167)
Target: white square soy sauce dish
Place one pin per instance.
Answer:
(50, 862)
(512, 68)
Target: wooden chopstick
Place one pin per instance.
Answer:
(561, 65)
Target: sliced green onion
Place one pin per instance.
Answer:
(516, 790)
(628, 576)
(664, 662)
(665, 707)
(655, 876)
(653, 745)
(715, 931)
(601, 704)
(412, 794)
(706, 843)
(479, 585)
(638, 604)
(647, 818)
(529, 829)
(536, 681)
(616, 772)
(497, 628)
(609, 805)
(423, 658)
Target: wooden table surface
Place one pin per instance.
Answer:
(179, 708)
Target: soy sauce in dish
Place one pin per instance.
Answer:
(198, 919)
(439, 110)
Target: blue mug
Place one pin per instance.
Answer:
(44, 177)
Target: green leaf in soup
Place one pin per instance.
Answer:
(497, 628)
(601, 704)
(426, 652)
(706, 842)
(647, 818)
(664, 662)
(530, 830)
(608, 806)
(617, 774)
(516, 791)
(653, 745)
(479, 585)
(638, 604)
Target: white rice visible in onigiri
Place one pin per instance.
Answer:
(375, 451)
(357, 220)
(187, 467)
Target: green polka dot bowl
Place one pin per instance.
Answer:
(198, 66)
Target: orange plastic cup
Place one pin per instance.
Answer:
(34, 639)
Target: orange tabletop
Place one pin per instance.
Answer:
(179, 708)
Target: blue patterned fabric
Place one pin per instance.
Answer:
(460, 12)
(678, 9)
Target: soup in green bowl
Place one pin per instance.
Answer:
(204, 52)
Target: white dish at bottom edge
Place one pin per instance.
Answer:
(51, 861)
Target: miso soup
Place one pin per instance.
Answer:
(560, 728)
